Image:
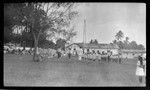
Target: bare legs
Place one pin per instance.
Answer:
(140, 79)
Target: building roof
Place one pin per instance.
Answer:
(133, 51)
(96, 46)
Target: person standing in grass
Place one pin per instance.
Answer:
(119, 57)
(69, 53)
(144, 63)
(80, 54)
(58, 53)
(108, 56)
(140, 69)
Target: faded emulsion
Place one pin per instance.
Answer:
(75, 44)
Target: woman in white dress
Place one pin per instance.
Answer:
(80, 54)
(144, 63)
(140, 69)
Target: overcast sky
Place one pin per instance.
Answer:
(104, 20)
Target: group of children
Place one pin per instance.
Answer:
(141, 63)
(95, 55)
(60, 53)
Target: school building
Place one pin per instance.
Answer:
(94, 47)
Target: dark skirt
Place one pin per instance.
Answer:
(69, 55)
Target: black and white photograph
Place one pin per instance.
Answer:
(74, 44)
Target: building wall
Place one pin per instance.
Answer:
(130, 55)
(101, 50)
(114, 51)
(74, 46)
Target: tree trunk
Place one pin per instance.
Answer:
(36, 54)
(32, 43)
(23, 45)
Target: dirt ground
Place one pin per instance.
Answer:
(22, 71)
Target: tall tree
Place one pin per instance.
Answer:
(60, 43)
(126, 43)
(119, 35)
(127, 40)
(38, 18)
(8, 13)
(133, 45)
(91, 41)
(141, 47)
(115, 41)
(95, 41)
(120, 44)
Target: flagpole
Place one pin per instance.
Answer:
(84, 34)
(85, 29)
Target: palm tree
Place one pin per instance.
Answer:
(119, 35)
(126, 43)
(91, 41)
(95, 41)
(127, 39)
(115, 41)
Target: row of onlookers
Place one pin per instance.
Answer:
(50, 53)
(17, 50)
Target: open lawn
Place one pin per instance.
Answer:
(22, 71)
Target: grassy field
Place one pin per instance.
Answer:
(22, 71)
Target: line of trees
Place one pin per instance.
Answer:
(93, 41)
(125, 44)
